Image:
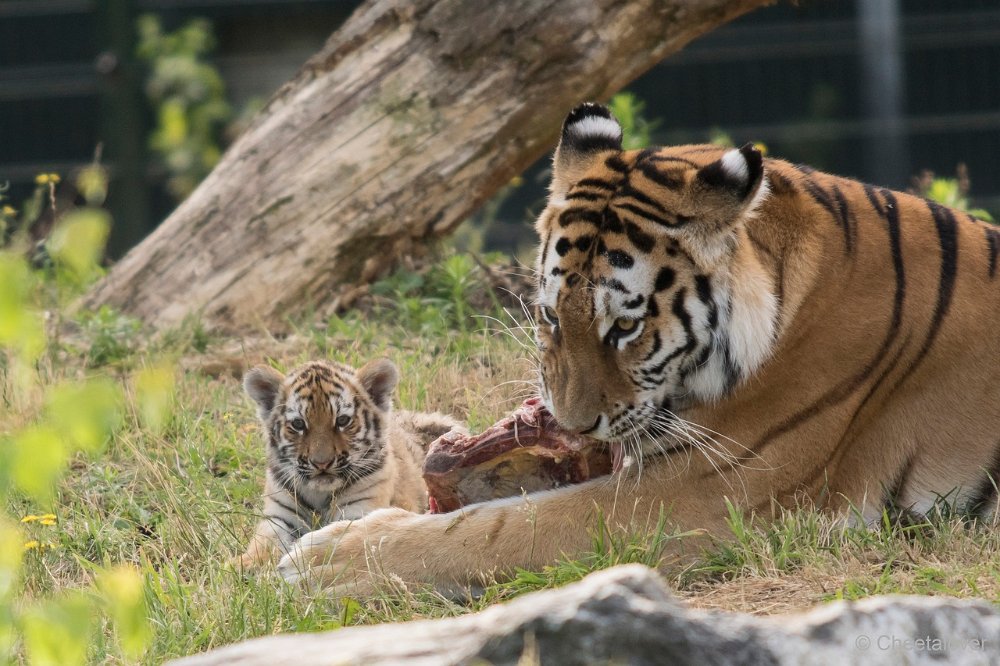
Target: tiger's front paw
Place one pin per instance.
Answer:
(352, 557)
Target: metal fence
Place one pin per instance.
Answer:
(876, 89)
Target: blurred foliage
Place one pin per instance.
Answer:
(189, 97)
(76, 245)
(721, 138)
(440, 298)
(953, 192)
(17, 222)
(112, 336)
(637, 131)
(45, 424)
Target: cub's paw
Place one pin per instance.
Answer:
(349, 556)
(242, 563)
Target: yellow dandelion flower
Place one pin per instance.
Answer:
(42, 179)
(47, 521)
(761, 146)
(9, 211)
(32, 545)
(47, 516)
(54, 178)
(30, 518)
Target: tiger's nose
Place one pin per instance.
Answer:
(580, 428)
(322, 465)
(592, 428)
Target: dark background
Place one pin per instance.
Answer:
(872, 89)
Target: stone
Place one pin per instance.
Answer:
(627, 615)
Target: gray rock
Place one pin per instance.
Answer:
(626, 615)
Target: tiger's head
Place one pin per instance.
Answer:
(645, 302)
(324, 422)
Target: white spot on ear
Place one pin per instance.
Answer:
(594, 126)
(735, 166)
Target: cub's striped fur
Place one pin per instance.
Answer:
(335, 449)
(752, 330)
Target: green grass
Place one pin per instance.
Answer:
(179, 502)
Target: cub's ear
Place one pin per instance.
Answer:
(379, 379)
(739, 172)
(588, 131)
(263, 384)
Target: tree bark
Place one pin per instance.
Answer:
(410, 117)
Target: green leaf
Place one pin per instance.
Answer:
(11, 553)
(628, 109)
(78, 241)
(173, 123)
(37, 461)
(92, 183)
(7, 633)
(981, 214)
(20, 327)
(123, 592)
(57, 633)
(947, 192)
(349, 608)
(154, 390)
(85, 414)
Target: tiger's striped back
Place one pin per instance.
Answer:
(842, 335)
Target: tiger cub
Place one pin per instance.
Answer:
(335, 449)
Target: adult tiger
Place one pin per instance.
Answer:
(843, 339)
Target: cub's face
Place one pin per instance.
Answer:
(633, 295)
(325, 422)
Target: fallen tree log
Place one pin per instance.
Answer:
(410, 117)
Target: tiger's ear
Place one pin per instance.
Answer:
(737, 174)
(588, 131)
(263, 384)
(723, 194)
(379, 379)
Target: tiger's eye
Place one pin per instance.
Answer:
(626, 325)
(343, 421)
(297, 424)
(549, 315)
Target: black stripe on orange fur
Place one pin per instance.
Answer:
(993, 245)
(847, 387)
(890, 213)
(986, 491)
(944, 224)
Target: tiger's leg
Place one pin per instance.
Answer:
(265, 546)
(494, 538)
(276, 532)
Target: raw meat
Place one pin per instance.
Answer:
(525, 452)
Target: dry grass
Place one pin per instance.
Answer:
(807, 558)
(179, 503)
